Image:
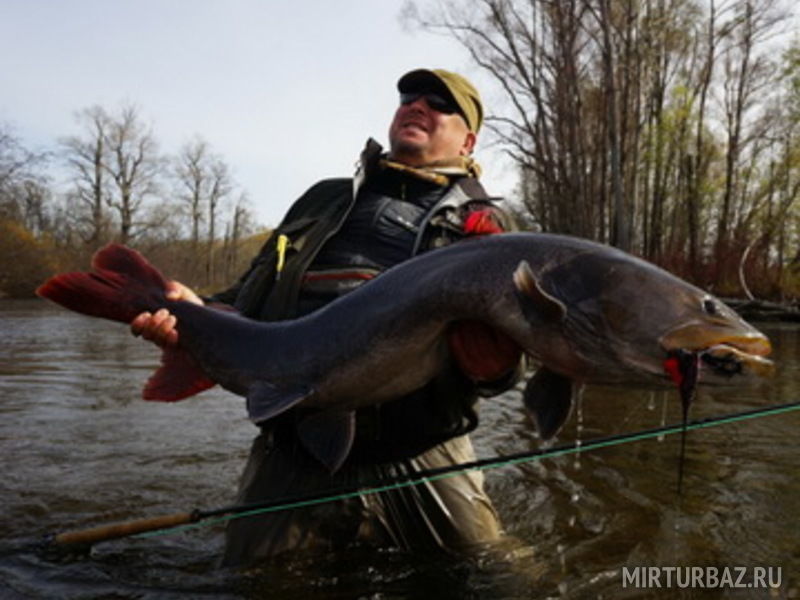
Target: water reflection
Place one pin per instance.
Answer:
(80, 448)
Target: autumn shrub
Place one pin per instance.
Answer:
(25, 260)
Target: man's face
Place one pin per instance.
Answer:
(420, 134)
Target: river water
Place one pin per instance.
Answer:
(80, 448)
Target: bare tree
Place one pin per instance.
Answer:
(86, 157)
(621, 218)
(135, 166)
(13, 157)
(696, 162)
(204, 182)
(116, 179)
(610, 115)
(240, 225)
(748, 74)
(191, 171)
(116, 167)
(24, 193)
(220, 186)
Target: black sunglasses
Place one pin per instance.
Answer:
(435, 101)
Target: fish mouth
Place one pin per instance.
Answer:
(723, 356)
(728, 360)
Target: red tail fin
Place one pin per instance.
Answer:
(122, 285)
(178, 377)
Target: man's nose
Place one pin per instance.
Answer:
(420, 104)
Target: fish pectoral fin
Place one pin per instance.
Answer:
(178, 377)
(265, 400)
(328, 435)
(537, 304)
(548, 399)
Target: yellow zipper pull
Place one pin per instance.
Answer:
(282, 244)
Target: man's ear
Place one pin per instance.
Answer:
(469, 143)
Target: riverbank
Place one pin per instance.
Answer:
(764, 310)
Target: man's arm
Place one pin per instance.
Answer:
(485, 355)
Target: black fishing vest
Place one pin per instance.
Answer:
(270, 289)
(318, 241)
(380, 231)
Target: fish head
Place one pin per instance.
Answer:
(621, 318)
(729, 348)
(664, 316)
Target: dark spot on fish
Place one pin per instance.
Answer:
(710, 307)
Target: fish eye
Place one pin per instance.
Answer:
(709, 306)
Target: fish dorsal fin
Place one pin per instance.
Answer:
(536, 303)
(178, 377)
(548, 399)
(328, 435)
(265, 400)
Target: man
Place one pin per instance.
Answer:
(342, 232)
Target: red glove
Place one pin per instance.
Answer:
(481, 222)
(482, 353)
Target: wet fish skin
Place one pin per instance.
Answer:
(587, 312)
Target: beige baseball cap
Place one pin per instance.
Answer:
(454, 85)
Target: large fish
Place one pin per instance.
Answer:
(588, 313)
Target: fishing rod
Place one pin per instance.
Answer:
(173, 523)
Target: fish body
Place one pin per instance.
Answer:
(588, 313)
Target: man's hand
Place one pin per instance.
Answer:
(483, 354)
(159, 327)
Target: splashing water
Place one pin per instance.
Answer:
(576, 463)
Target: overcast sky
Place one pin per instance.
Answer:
(287, 92)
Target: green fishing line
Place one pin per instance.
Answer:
(479, 465)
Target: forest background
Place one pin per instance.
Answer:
(668, 128)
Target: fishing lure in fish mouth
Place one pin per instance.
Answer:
(723, 360)
(683, 367)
